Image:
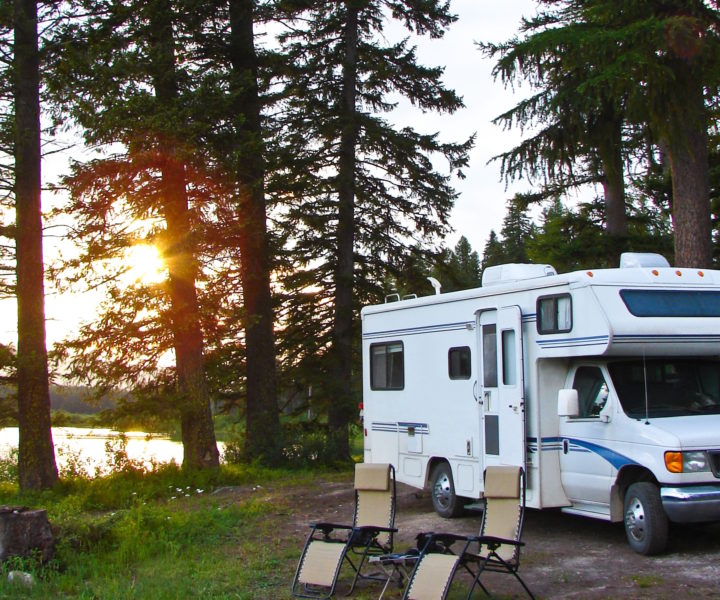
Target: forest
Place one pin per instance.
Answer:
(248, 142)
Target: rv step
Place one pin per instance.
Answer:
(475, 506)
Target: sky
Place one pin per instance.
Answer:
(480, 207)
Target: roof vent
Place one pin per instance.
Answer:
(515, 272)
(635, 260)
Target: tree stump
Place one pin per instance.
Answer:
(24, 531)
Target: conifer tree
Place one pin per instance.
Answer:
(459, 268)
(263, 425)
(362, 189)
(128, 86)
(36, 454)
(648, 62)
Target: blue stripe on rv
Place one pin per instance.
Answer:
(616, 459)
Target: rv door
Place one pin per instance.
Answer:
(503, 390)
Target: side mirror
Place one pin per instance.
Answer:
(568, 405)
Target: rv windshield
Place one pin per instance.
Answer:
(675, 387)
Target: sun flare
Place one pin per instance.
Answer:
(145, 265)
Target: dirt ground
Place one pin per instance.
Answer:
(565, 556)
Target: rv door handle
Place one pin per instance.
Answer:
(475, 391)
(566, 446)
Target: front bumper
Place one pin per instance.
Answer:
(691, 504)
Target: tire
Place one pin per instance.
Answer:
(646, 524)
(445, 502)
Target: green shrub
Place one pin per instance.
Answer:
(9, 467)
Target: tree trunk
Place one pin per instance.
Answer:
(688, 157)
(610, 153)
(262, 418)
(198, 434)
(36, 454)
(341, 401)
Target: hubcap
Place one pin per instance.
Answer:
(443, 491)
(635, 520)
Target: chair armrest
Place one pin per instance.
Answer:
(328, 527)
(430, 540)
(375, 528)
(493, 542)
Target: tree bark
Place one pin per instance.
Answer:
(610, 153)
(198, 433)
(341, 404)
(262, 439)
(687, 147)
(36, 454)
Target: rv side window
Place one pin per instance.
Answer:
(554, 314)
(508, 357)
(592, 391)
(459, 363)
(387, 368)
(489, 358)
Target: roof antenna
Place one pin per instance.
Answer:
(436, 284)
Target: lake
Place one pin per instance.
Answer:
(86, 448)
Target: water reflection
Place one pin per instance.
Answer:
(86, 448)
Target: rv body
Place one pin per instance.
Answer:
(604, 385)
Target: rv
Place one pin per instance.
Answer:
(604, 385)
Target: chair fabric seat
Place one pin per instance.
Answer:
(496, 548)
(321, 560)
(433, 576)
(330, 545)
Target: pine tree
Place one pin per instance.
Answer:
(577, 121)
(458, 269)
(648, 63)
(127, 85)
(362, 189)
(36, 454)
(263, 424)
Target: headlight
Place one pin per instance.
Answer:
(687, 462)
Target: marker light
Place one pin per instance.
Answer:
(686, 462)
(655, 272)
(701, 274)
(678, 273)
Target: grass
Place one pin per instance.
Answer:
(646, 581)
(164, 534)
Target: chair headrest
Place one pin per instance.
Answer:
(502, 482)
(372, 477)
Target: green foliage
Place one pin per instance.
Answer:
(618, 86)
(172, 533)
(9, 467)
(576, 238)
(356, 195)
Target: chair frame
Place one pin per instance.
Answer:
(359, 541)
(492, 561)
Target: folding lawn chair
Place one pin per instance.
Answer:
(371, 534)
(497, 548)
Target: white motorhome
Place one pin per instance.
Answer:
(603, 384)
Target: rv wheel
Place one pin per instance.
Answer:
(646, 524)
(444, 500)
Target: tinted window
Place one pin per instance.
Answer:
(387, 366)
(672, 303)
(459, 363)
(667, 387)
(554, 314)
(592, 391)
(489, 345)
(509, 368)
